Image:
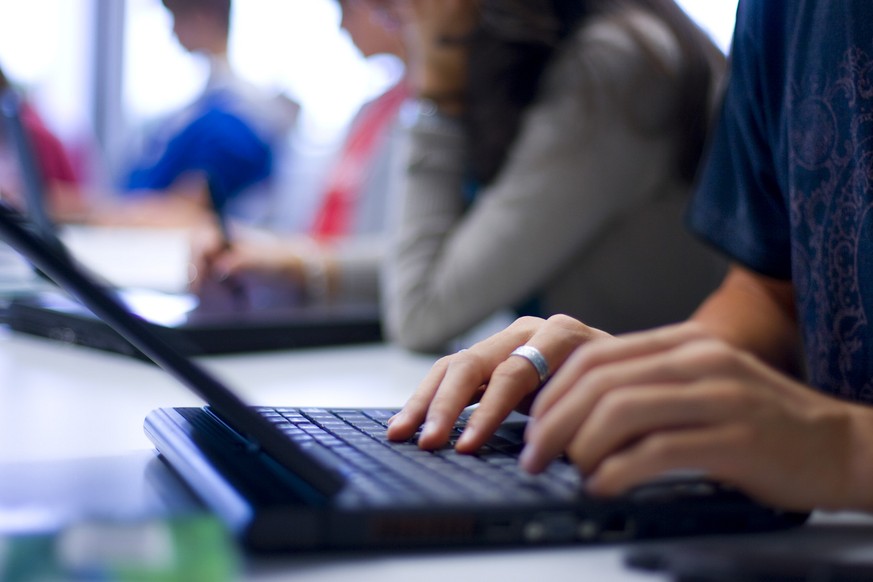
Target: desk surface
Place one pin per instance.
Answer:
(73, 415)
(60, 401)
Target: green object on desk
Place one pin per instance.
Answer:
(191, 548)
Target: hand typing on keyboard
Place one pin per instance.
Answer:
(380, 471)
(458, 380)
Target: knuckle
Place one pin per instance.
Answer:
(562, 320)
(527, 324)
(716, 350)
(710, 353)
(571, 329)
(695, 329)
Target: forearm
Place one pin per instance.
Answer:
(859, 494)
(756, 314)
(432, 204)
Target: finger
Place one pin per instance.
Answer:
(405, 423)
(553, 426)
(627, 415)
(453, 382)
(461, 384)
(467, 372)
(515, 379)
(598, 353)
(712, 451)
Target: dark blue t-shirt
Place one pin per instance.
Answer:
(218, 142)
(788, 188)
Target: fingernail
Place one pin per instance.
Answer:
(528, 460)
(427, 430)
(467, 437)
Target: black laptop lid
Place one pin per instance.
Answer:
(223, 402)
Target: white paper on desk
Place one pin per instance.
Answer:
(150, 258)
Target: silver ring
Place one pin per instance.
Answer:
(537, 360)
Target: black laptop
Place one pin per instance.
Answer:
(221, 321)
(313, 479)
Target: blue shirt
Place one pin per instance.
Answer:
(788, 188)
(218, 142)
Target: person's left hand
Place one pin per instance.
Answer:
(486, 372)
(627, 411)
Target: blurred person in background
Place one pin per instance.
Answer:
(217, 154)
(64, 197)
(550, 165)
(338, 258)
(767, 388)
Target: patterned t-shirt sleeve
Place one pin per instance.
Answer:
(739, 204)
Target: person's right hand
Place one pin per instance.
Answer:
(680, 398)
(486, 373)
(214, 260)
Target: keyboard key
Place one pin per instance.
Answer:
(382, 472)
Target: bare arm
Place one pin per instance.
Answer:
(756, 314)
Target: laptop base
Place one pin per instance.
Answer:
(262, 504)
(57, 317)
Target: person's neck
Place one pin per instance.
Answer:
(219, 69)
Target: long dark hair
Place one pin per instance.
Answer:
(517, 39)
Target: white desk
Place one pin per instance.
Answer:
(59, 401)
(75, 415)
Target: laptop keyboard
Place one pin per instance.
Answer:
(383, 472)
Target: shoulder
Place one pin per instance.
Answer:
(632, 31)
(269, 113)
(614, 45)
(624, 59)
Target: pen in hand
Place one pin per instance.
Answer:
(228, 281)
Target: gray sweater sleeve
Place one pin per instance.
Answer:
(577, 165)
